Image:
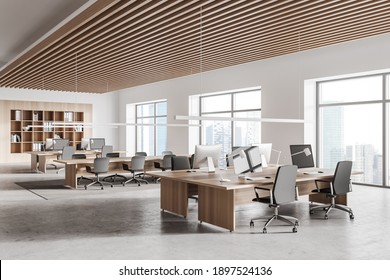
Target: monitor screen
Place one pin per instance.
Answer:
(49, 144)
(84, 144)
(240, 163)
(202, 152)
(265, 149)
(59, 144)
(96, 143)
(254, 158)
(302, 157)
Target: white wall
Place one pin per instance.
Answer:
(282, 81)
(104, 107)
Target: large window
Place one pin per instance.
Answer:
(352, 125)
(152, 135)
(230, 131)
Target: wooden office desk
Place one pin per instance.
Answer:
(39, 159)
(76, 167)
(217, 200)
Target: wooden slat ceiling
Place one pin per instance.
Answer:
(119, 44)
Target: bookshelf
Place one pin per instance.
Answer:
(30, 128)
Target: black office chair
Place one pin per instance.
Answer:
(180, 163)
(116, 175)
(137, 168)
(339, 185)
(183, 163)
(282, 192)
(81, 156)
(100, 166)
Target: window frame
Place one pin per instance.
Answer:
(154, 118)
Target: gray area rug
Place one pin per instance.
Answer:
(43, 185)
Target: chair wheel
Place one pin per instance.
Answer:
(85, 187)
(296, 223)
(311, 212)
(351, 216)
(112, 186)
(326, 217)
(294, 229)
(251, 224)
(264, 230)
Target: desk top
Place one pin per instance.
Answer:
(264, 178)
(112, 159)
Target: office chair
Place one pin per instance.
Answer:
(106, 149)
(282, 192)
(166, 163)
(141, 154)
(67, 153)
(100, 166)
(183, 163)
(166, 153)
(81, 156)
(116, 175)
(180, 163)
(339, 185)
(137, 167)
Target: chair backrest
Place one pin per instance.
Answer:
(111, 155)
(79, 156)
(167, 161)
(141, 154)
(107, 149)
(67, 152)
(180, 163)
(284, 186)
(138, 163)
(342, 177)
(100, 165)
(164, 153)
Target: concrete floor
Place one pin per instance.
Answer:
(126, 223)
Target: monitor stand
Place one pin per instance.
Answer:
(210, 166)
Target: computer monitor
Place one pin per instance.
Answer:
(240, 163)
(59, 144)
(84, 144)
(302, 155)
(96, 143)
(265, 150)
(204, 153)
(254, 158)
(49, 144)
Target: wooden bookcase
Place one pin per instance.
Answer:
(30, 128)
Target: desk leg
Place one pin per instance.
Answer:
(34, 162)
(42, 164)
(71, 175)
(216, 206)
(174, 196)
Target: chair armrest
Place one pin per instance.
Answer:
(321, 181)
(125, 166)
(264, 189)
(156, 164)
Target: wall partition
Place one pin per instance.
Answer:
(352, 124)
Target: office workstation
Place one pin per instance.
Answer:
(176, 77)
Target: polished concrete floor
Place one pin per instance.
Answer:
(126, 223)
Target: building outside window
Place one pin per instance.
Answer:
(352, 125)
(229, 132)
(151, 137)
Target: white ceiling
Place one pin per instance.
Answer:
(23, 22)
